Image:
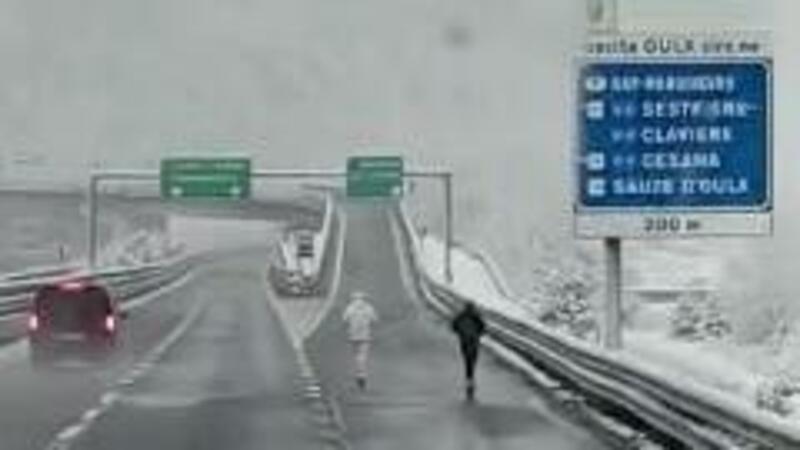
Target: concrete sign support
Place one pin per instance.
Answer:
(674, 141)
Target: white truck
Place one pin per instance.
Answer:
(294, 271)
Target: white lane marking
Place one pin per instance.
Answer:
(66, 437)
(127, 381)
(70, 433)
(337, 278)
(90, 415)
(144, 300)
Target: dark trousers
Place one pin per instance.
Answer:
(469, 353)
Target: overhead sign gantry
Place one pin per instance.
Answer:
(231, 178)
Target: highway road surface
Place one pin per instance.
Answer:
(415, 395)
(209, 365)
(205, 367)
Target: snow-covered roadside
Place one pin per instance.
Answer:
(723, 367)
(751, 372)
(470, 276)
(139, 247)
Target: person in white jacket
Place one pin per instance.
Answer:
(359, 316)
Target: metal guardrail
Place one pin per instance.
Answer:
(38, 272)
(123, 282)
(665, 406)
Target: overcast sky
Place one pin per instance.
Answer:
(698, 14)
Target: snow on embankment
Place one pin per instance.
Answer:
(710, 371)
(470, 276)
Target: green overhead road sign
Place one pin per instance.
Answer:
(374, 176)
(205, 178)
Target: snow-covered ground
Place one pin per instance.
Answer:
(48, 229)
(745, 372)
(470, 276)
(140, 247)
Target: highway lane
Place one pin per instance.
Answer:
(414, 399)
(35, 404)
(38, 406)
(231, 382)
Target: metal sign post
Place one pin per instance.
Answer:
(612, 332)
(96, 179)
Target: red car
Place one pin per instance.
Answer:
(72, 318)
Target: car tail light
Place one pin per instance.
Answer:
(33, 322)
(71, 286)
(110, 323)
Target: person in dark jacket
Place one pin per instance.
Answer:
(469, 326)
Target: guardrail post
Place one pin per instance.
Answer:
(612, 322)
(91, 251)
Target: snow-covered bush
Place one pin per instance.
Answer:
(566, 299)
(570, 311)
(775, 394)
(699, 318)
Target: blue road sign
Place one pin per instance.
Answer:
(675, 136)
